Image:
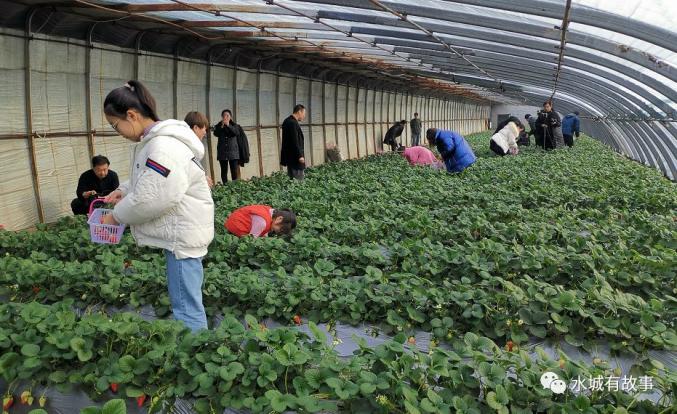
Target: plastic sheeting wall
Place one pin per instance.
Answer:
(67, 126)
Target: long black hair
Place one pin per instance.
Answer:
(132, 95)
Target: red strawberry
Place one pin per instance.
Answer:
(297, 320)
(36, 289)
(114, 386)
(140, 400)
(509, 345)
(7, 402)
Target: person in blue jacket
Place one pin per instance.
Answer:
(453, 148)
(570, 125)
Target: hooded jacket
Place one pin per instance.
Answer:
(506, 138)
(166, 201)
(571, 125)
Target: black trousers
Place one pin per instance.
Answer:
(296, 173)
(539, 140)
(79, 207)
(225, 164)
(569, 140)
(496, 148)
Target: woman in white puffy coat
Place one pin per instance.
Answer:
(166, 202)
(504, 142)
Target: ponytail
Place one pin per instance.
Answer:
(133, 95)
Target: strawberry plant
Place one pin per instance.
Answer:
(575, 246)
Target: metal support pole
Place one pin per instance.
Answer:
(347, 121)
(324, 119)
(234, 109)
(366, 120)
(208, 88)
(388, 114)
(357, 128)
(29, 116)
(277, 111)
(137, 43)
(381, 134)
(336, 123)
(88, 92)
(406, 116)
(309, 111)
(294, 85)
(373, 121)
(176, 80)
(258, 118)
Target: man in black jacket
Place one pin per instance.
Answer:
(292, 155)
(99, 181)
(393, 133)
(549, 122)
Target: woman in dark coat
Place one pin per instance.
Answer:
(548, 122)
(227, 149)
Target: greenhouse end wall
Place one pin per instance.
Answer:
(52, 121)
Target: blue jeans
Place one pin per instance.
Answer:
(415, 139)
(184, 279)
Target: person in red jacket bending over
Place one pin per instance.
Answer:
(260, 221)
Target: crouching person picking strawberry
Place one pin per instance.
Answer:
(166, 202)
(260, 221)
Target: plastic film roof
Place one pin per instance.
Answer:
(614, 62)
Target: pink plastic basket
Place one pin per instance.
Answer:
(103, 233)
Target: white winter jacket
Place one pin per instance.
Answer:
(506, 138)
(167, 201)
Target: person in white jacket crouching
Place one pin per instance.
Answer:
(504, 142)
(166, 202)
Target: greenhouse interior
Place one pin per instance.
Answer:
(325, 206)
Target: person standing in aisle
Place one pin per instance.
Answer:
(227, 149)
(548, 122)
(571, 125)
(453, 148)
(292, 153)
(415, 125)
(166, 201)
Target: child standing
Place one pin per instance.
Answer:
(260, 220)
(166, 201)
